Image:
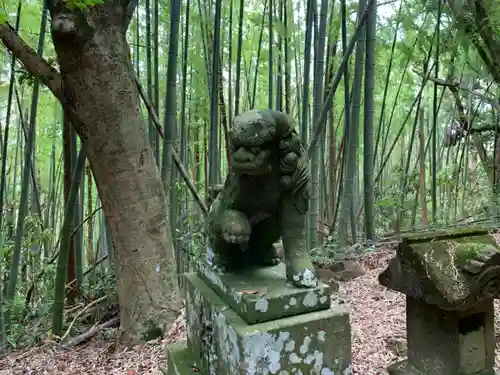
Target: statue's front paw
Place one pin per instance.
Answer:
(305, 279)
(301, 273)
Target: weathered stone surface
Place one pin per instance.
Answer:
(444, 234)
(316, 343)
(263, 294)
(448, 342)
(180, 360)
(454, 272)
(450, 281)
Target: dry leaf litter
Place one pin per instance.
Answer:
(378, 337)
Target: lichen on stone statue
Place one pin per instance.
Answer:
(265, 197)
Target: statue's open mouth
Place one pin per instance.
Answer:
(254, 171)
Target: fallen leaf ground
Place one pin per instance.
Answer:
(378, 337)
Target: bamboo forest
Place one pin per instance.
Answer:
(119, 122)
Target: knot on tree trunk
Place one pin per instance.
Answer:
(69, 24)
(64, 26)
(64, 23)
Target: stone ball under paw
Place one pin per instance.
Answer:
(235, 227)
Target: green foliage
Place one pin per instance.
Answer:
(36, 234)
(82, 4)
(27, 323)
(30, 324)
(3, 16)
(192, 240)
(101, 282)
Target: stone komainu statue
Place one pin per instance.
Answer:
(265, 197)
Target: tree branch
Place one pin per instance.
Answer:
(484, 128)
(94, 330)
(476, 141)
(451, 85)
(36, 65)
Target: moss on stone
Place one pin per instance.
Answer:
(444, 234)
(471, 250)
(439, 263)
(180, 360)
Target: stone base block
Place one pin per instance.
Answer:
(315, 343)
(263, 294)
(180, 360)
(403, 368)
(450, 342)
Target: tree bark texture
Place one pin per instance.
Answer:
(96, 88)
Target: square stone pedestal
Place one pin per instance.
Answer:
(264, 294)
(221, 342)
(448, 342)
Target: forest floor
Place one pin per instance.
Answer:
(377, 320)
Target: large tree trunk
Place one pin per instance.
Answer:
(98, 83)
(96, 87)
